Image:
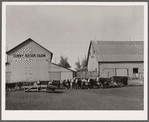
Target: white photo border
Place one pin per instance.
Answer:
(79, 115)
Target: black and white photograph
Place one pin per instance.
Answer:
(74, 60)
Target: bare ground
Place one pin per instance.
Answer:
(126, 98)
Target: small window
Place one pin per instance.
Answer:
(135, 70)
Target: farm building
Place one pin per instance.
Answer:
(60, 73)
(116, 58)
(29, 61)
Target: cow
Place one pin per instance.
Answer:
(104, 82)
(94, 83)
(65, 84)
(120, 80)
(75, 83)
(56, 83)
(85, 83)
(79, 83)
(51, 87)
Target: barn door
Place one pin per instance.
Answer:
(109, 72)
(121, 72)
(55, 75)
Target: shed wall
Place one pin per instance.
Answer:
(64, 73)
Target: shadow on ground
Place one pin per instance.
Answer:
(56, 92)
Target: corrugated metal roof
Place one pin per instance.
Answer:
(114, 51)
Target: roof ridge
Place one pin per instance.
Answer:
(29, 39)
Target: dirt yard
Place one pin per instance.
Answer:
(126, 98)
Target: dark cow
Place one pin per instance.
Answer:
(56, 83)
(91, 83)
(85, 83)
(65, 84)
(10, 86)
(51, 87)
(120, 80)
(94, 83)
(75, 83)
(104, 82)
(79, 83)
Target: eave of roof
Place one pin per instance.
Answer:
(88, 52)
(63, 67)
(29, 40)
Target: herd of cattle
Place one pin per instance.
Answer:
(91, 83)
(77, 83)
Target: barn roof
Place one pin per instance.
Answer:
(118, 51)
(27, 41)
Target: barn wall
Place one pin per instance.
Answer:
(28, 68)
(36, 49)
(111, 68)
(92, 61)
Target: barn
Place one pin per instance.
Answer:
(29, 61)
(116, 58)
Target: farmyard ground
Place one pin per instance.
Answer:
(126, 98)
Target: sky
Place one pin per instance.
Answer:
(68, 30)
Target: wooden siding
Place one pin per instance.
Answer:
(25, 68)
(92, 61)
(113, 66)
(64, 73)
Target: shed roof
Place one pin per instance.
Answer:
(27, 41)
(63, 67)
(118, 51)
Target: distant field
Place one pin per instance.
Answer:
(126, 98)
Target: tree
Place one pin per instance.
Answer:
(84, 64)
(63, 62)
(81, 66)
(78, 65)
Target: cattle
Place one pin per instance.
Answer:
(120, 80)
(104, 82)
(94, 83)
(75, 83)
(91, 83)
(56, 83)
(79, 83)
(10, 86)
(65, 84)
(85, 83)
(51, 87)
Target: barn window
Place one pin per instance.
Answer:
(135, 70)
